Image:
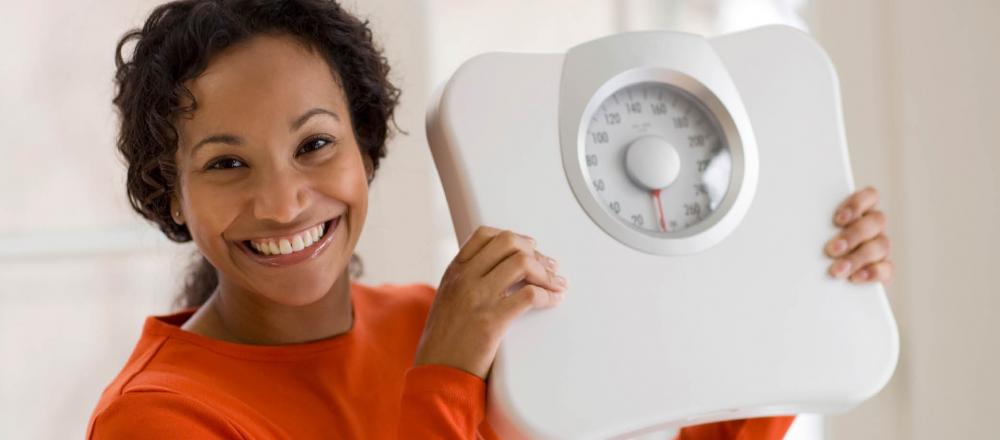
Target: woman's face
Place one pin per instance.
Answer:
(266, 161)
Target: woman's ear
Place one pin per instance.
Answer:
(175, 210)
(369, 169)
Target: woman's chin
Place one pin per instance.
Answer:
(298, 293)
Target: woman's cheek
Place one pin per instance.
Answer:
(345, 180)
(213, 209)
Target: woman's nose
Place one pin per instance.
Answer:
(281, 196)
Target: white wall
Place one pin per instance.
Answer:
(67, 318)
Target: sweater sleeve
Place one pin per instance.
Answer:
(441, 402)
(766, 428)
(160, 415)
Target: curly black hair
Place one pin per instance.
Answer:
(175, 45)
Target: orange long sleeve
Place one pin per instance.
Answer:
(441, 403)
(766, 428)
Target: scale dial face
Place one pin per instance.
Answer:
(656, 158)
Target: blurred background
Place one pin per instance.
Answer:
(79, 271)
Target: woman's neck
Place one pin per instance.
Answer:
(246, 318)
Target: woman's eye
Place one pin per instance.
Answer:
(225, 164)
(312, 145)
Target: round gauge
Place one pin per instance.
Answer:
(660, 162)
(657, 158)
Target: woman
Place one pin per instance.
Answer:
(253, 128)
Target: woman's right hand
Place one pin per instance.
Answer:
(496, 276)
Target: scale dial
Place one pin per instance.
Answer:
(657, 158)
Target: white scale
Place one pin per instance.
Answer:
(687, 188)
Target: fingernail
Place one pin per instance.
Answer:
(842, 268)
(561, 281)
(844, 216)
(839, 246)
(551, 263)
(861, 275)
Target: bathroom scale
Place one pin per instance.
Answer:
(687, 186)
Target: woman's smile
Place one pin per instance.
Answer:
(289, 249)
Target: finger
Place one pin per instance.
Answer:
(526, 298)
(501, 246)
(475, 242)
(855, 206)
(881, 271)
(479, 238)
(870, 252)
(523, 266)
(548, 261)
(865, 228)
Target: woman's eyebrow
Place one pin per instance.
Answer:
(297, 123)
(237, 141)
(218, 138)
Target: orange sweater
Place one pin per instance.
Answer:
(358, 385)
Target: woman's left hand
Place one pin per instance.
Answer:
(861, 249)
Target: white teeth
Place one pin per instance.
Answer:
(285, 246)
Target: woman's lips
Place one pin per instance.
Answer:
(295, 257)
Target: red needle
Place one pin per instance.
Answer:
(659, 209)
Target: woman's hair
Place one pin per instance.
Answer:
(175, 45)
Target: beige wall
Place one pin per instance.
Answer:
(920, 91)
